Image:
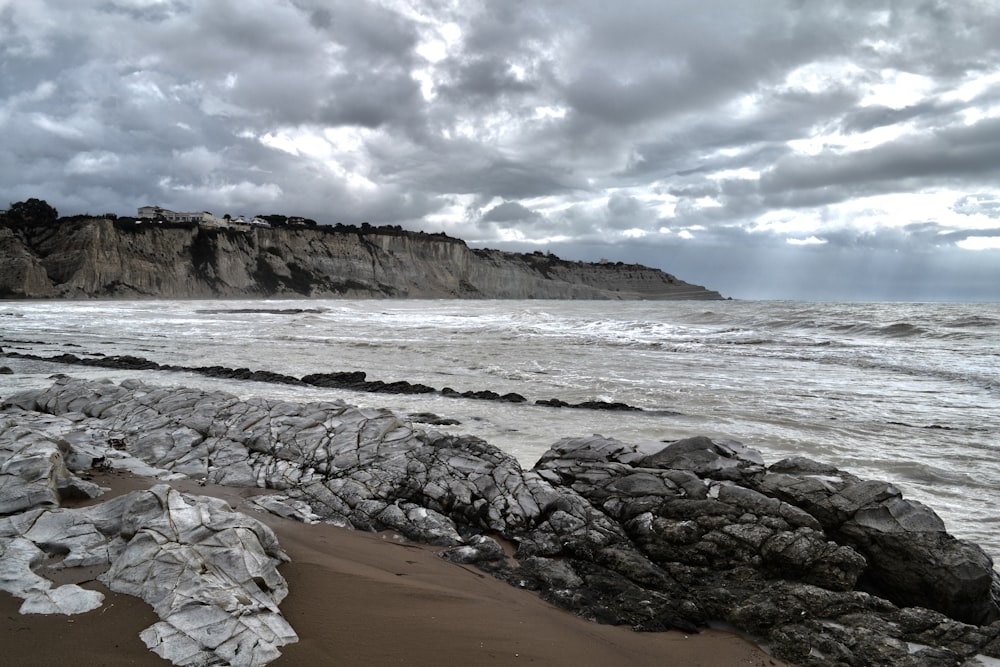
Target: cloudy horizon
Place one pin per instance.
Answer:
(790, 150)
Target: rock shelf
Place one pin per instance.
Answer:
(824, 567)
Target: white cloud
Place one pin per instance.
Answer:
(812, 240)
(980, 243)
(93, 162)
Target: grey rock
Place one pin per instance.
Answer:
(912, 560)
(722, 459)
(828, 568)
(479, 550)
(209, 572)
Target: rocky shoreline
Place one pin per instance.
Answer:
(823, 567)
(349, 380)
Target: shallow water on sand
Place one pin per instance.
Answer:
(904, 392)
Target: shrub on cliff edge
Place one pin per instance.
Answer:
(31, 212)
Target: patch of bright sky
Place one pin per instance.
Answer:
(743, 173)
(486, 128)
(783, 222)
(980, 243)
(818, 77)
(743, 106)
(634, 233)
(297, 141)
(328, 146)
(509, 234)
(437, 43)
(897, 90)
(812, 240)
(893, 89)
(972, 89)
(707, 202)
(454, 213)
(902, 208)
(848, 143)
(975, 84)
(425, 77)
(550, 112)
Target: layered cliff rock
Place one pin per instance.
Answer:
(105, 258)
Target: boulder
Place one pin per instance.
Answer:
(912, 560)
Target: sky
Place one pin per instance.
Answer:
(819, 150)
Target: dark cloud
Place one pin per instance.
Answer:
(509, 211)
(745, 142)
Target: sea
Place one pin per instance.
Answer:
(903, 392)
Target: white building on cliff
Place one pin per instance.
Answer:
(200, 217)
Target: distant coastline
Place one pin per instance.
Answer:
(130, 258)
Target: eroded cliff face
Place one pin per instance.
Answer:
(104, 258)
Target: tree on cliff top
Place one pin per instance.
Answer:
(31, 212)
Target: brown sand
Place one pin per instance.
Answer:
(368, 599)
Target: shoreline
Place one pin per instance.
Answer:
(812, 561)
(366, 598)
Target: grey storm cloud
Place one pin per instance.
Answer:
(509, 211)
(714, 136)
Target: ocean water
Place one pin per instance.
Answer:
(908, 393)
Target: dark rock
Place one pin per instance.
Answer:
(127, 362)
(912, 560)
(552, 403)
(6, 370)
(345, 379)
(587, 405)
(723, 459)
(432, 419)
(605, 405)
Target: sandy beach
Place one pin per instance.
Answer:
(371, 599)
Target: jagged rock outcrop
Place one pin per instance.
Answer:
(105, 258)
(208, 572)
(659, 536)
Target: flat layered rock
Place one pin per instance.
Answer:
(210, 573)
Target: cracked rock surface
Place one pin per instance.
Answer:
(209, 573)
(826, 568)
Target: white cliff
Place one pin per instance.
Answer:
(105, 258)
